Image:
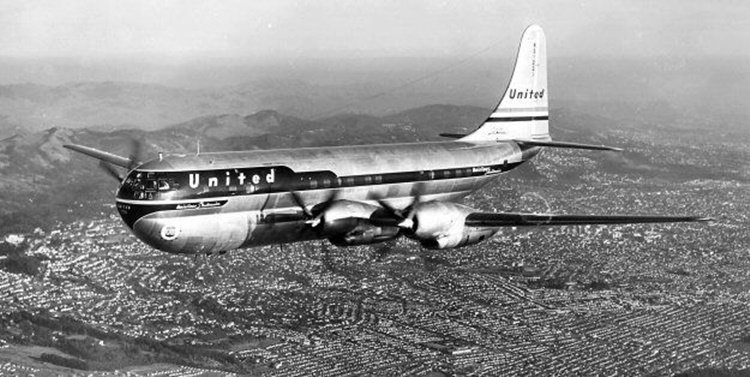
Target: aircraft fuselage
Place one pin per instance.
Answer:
(215, 202)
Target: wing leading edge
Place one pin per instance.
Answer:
(100, 155)
(565, 144)
(509, 219)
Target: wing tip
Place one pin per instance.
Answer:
(702, 219)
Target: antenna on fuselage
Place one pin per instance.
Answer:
(198, 147)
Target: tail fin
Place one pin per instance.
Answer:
(523, 112)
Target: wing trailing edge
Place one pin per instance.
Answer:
(509, 219)
(564, 144)
(551, 144)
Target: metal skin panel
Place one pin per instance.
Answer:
(261, 219)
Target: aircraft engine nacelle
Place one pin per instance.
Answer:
(440, 225)
(343, 217)
(364, 234)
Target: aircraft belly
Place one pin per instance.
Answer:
(181, 233)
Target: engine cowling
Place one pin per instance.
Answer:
(343, 217)
(345, 223)
(439, 225)
(365, 234)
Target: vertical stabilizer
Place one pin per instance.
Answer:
(523, 112)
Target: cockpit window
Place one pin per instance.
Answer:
(146, 186)
(163, 185)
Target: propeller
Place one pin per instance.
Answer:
(111, 170)
(135, 153)
(310, 218)
(405, 220)
(136, 146)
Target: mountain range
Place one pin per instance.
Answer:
(682, 92)
(129, 105)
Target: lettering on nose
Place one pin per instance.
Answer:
(230, 178)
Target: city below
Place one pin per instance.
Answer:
(87, 297)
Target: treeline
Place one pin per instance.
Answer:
(16, 261)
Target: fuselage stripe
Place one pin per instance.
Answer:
(324, 182)
(516, 119)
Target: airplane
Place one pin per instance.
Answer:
(350, 195)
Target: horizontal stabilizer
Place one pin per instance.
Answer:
(483, 219)
(562, 144)
(100, 155)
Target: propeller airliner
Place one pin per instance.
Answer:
(350, 195)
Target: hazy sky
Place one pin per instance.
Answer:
(336, 28)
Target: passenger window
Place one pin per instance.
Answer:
(368, 180)
(313, 183)
(378, 179)
(326, 182)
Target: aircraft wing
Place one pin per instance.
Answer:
(510, 219)
(565, 144)
(550, 143)
(100, 155)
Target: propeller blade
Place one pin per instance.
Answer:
(390, 209)
(405, 221)
(136, 146)
(332, 197)
(110, 169)
(301, 204)
(321, 209)
(419, 190)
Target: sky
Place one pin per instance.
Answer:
(366, 28)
